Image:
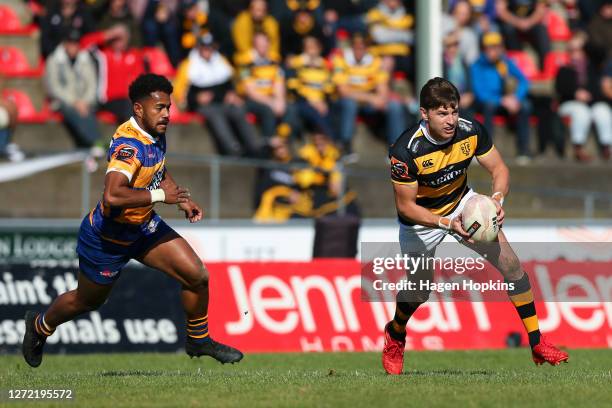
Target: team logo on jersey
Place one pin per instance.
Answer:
(465, 125)
(427, 163)
(399, 169)
(465, 148)
(125, 153)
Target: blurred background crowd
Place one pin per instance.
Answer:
(290, 80)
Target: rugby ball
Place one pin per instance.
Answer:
(479, 218)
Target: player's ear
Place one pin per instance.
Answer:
(424, 114)
(138, 110)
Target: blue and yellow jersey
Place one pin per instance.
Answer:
(141, 158)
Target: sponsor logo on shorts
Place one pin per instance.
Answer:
(152, 226)
(109, 274)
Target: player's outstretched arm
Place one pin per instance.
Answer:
(118, 193)
(193, 212)
(405, 201)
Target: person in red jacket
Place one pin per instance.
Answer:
(118, 66)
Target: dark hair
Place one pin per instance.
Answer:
(145, 84)
(439, 92)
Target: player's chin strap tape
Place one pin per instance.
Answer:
(499, 196)
(158, 196)
(445, 223)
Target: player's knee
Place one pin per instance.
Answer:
(198, 279)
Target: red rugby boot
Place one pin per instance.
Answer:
(544, 352)
(393, 353)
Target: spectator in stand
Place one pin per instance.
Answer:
(348, 15)
(299, 24)
(8, 121)
(262, 82)
(70, 77)
(254, 20)
(580, 86)
(469, 49)
(524, 19)
(160, 24)
(222, 15)
(277, 196)
(283, 193)
(118, 66)
(204, 82)
(390, 27)
(501, 88)
(600, 32)
(194, 23)
(482, 14)
(309, 77)
(322, 179)
(115, 12)
(457, 70)
(363, 89)
(67, 14)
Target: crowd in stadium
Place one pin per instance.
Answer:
(263, 73)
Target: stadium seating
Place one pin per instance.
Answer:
(158, 62)
(27, 111)
(183, 118)
(527, 65)
(553, 61)
(558, 30)
(13, 63)
(11, 25)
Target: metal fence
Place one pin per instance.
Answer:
(345, 167)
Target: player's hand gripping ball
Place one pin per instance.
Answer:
(479, 218)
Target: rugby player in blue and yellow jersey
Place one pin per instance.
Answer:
(429, 165)
(124, 226)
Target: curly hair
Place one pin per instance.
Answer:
(145, 84)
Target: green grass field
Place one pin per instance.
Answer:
(468, 378)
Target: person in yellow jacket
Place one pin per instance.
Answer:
(247, 23)
(309, 78)
(390, 26)
(363, 89)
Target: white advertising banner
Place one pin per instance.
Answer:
(295, 243)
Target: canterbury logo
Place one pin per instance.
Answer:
(427, 163)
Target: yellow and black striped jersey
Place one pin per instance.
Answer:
(310, 78)
(439, 168)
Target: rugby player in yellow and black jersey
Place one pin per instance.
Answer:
(429, 165)
(124, 226)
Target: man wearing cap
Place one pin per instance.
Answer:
(204, 84)
(501, 88)
(70, 77)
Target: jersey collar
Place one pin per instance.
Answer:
(145, 134)
(423, 127)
